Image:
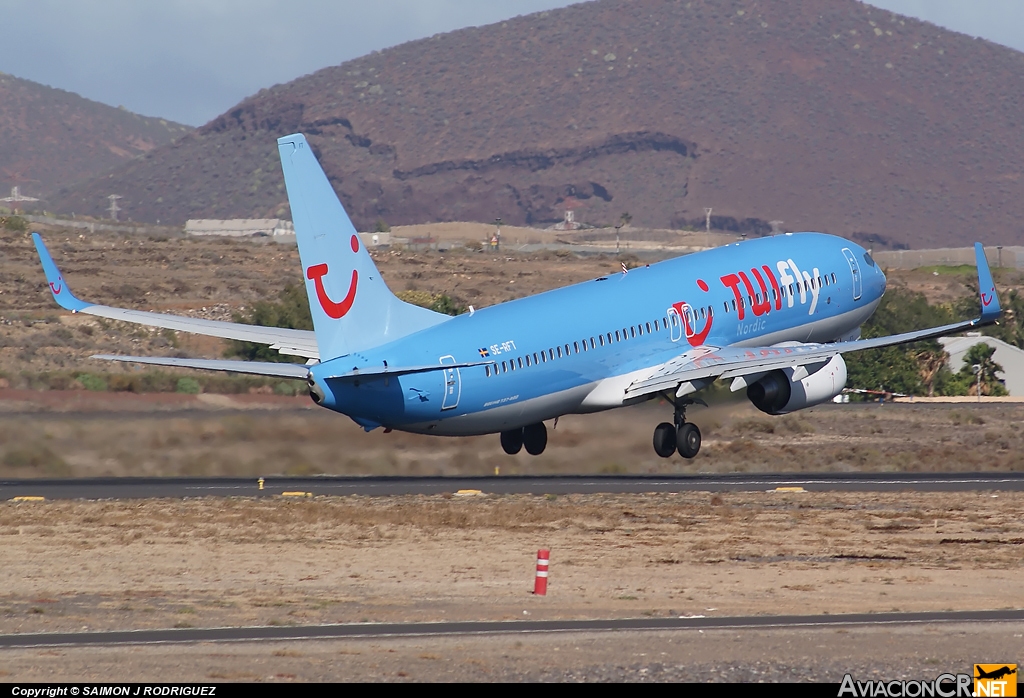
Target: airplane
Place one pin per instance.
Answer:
(774, 315)
(994, 674)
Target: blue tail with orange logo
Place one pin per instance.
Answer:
(353, 309)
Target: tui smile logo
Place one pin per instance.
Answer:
(57, 286)
(316, 274)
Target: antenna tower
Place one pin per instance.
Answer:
(114, 208)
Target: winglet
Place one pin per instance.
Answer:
(990, 310)
(58, 287)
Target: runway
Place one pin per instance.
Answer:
(382, 630)
(273, 486)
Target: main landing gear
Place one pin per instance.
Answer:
(534, 437)
(682, 436)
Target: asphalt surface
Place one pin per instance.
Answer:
(377, 630)
(138, 488)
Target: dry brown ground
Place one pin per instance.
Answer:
(81, 433)
(215, 562)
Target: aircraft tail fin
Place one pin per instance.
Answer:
(990, 310)
(352, 307)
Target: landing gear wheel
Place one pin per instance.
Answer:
(688, 440)
(535, 438)
(665, 440)
(512, 441)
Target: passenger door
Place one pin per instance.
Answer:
(452, 384)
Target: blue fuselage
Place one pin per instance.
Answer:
(575, 349)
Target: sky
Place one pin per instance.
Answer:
(191, 60)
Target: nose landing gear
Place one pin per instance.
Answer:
(682, 436)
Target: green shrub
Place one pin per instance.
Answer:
(16, 224)
(189, 386)
(92, 382)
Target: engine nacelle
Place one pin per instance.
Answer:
(788, 390)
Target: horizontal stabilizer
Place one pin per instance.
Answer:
(255, 368)
(400, 370)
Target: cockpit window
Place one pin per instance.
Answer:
(867, 258)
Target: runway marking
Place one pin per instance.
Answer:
(379, 630)
(788, 489)
(136, 488)
(296, 494)
(28, 499)
(469, 493)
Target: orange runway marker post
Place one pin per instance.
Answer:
(540, 584)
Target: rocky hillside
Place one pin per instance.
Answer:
(50, 138)
(826, 114)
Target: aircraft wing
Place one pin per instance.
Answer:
(286, 341)
(693, 369)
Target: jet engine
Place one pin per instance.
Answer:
(791, 389)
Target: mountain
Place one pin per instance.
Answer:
(50, 138)
(826, 114)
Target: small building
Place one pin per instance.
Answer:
(1006, 355)
(241, 227)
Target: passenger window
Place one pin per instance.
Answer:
(576, 346)
(504, 368)
(559, 352)
(834, 278)
(600, 339)
(567, 352)
(617, 338)
(648, 328)
(535, 359)
(487, 370)
(520, 362)
(584, 345)
(527, 359)
(543, 358)
(632, 332)
(593, 344)
(711, 312)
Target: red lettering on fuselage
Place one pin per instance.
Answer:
(775, 286)
(732, 281)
